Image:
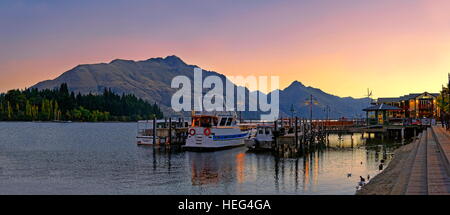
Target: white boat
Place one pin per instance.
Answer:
(145, 130)
(263, 139)
(214, 131)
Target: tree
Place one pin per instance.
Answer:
(9, 111)
(61, 104)
(28, 111)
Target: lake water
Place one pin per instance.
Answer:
(103, 158)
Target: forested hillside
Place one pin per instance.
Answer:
(60, 104)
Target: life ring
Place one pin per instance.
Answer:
(192, 132)
(207, 131)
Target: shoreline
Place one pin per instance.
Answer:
(391, 181)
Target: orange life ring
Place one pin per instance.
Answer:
(192, 132)
(207, 131)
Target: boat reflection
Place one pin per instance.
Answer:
(216, 167)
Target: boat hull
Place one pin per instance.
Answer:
(219, 139)
(209, 149)
(260, 146)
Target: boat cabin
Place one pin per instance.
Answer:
(208, 121)
(145, 127)
(264, 130)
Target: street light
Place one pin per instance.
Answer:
(311, 101)
(327, 111)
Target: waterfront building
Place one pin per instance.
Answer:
(411, 106)
(381, 114)
(415, 105)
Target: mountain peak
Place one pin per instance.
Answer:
(121, 61)
(296, 84)
(174, 60)
(171, 60)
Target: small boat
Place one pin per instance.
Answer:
(263, 139)
(214, 131)
(145, 130)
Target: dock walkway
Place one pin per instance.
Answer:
(430, 167)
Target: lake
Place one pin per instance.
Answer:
(103, 158)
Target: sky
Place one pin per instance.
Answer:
(393, 47)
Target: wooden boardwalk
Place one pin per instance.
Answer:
(430, 167)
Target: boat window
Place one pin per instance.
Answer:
(205, 122)
(195, 122)
(260, 131)
(223, 121)
(267, 130)
(215, 121)
(229, 121)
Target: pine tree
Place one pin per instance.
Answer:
(55, 111)
(28, 111)
(9, 111)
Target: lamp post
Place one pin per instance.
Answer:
(327, 110)
(312, 100)
(292, 113)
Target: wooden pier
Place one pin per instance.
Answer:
(301, 135)
(427, 169)
(298, 137)
(167, 133)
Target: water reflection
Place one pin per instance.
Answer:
(333, 170)
(111, 163)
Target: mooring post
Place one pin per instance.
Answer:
(403, 134)
(296, 132)
(170, 131)
(154, 131)
(351, 139)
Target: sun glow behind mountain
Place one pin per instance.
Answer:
(341, 47)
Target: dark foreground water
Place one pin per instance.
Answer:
(102, 158)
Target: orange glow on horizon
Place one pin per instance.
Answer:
(392, 47)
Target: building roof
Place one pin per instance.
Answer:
(392, 99)
(381, 107)
(404, 98)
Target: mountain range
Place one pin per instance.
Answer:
(151, 80)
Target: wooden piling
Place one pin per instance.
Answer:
(169, 140)
(296, 132)
(154, 131)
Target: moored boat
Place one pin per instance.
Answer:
(263, 139)
(214, 131)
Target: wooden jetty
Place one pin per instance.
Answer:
(298, 137)
(301, 135)
(427, 169)
(167, 132)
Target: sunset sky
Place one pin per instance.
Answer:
(343, 47)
